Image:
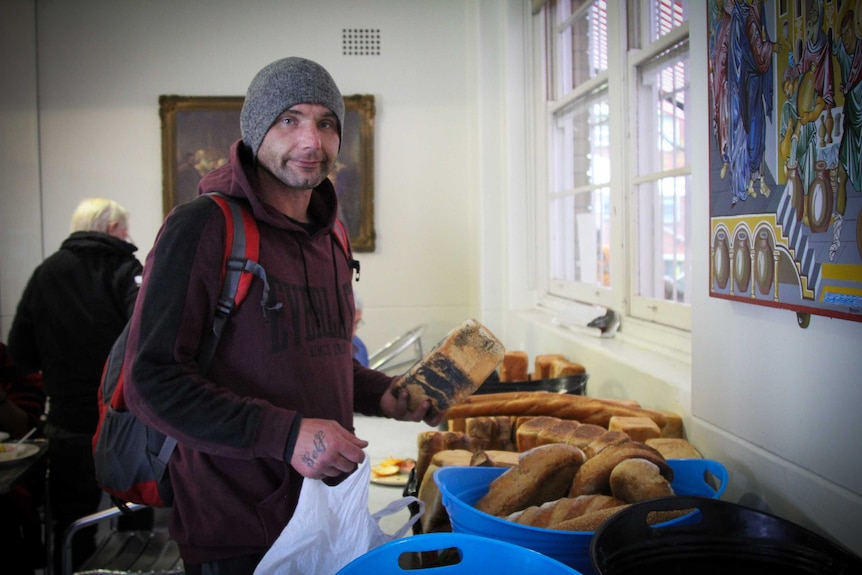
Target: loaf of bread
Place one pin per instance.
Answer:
(493, 432)
(589, 521)
(637, 479)
(429, 443)
(561, 367)
(453, 369)
(594, 475)
(435, 517)
(543, 364)
(514, 367)
(551, 513)
(638, 428)
(564, 406)
(494, 458)
(542, 430)
(674, 448)
(528, 429)
(605, 440)
(543, 474)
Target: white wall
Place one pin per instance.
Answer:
(776, 403)
(103, 64)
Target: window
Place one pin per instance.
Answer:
(616, 86)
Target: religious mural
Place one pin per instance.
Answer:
(785, 88)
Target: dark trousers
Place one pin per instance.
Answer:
(244, 565)
(73, 492)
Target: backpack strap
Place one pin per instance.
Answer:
(343, 238)
(241, 252)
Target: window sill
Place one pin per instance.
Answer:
(661, 352)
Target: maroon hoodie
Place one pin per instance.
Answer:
(233, 489)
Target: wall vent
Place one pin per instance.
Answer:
(360, 42)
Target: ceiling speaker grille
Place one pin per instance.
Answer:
(360, 42)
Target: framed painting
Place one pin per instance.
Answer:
(197, 132)
(785, 91)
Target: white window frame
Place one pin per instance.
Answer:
(638, 312)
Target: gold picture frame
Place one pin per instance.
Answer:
(197, 132)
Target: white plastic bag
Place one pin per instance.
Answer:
(332, 526)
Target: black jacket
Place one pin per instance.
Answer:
(73, 308)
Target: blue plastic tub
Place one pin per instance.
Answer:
(461, 487)
(459, 553)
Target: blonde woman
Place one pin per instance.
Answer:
(74, 306)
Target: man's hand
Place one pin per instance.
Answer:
(396, 408)
(325, 449)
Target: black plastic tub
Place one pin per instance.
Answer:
(570, 384)
(723, 538)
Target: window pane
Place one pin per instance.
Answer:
(667, 15)
(663, 250)
(580, 197)
(663, 166)
(580, 237)
(582, 145)
(581, 30)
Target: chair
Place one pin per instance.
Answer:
(383, 358)
(150, 552)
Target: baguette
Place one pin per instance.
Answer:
(564, 406)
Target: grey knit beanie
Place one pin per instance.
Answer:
(283, 84)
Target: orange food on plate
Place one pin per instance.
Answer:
(392, 466)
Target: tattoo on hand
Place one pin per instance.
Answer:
(319, 449)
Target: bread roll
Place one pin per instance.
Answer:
(594, 475)
(637, 479)
(453, 369)
(543, 474)
(514, 367)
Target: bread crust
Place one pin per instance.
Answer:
(551, 513)
(543, 474)
(564, 406)
(453, 370)
(637, 479)
(594, 475)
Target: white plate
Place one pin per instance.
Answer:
(397, 480)
(22, 451)
(3, 436)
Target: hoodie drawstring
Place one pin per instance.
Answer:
(307, 285)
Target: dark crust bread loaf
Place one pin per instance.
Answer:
(552, 512)
(637, 479)
(543, 474)
(594, 475)
(453, 369)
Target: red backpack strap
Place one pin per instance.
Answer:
(343, 238)
(241, 252)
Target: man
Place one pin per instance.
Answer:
(277, 402)
(74, 306)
